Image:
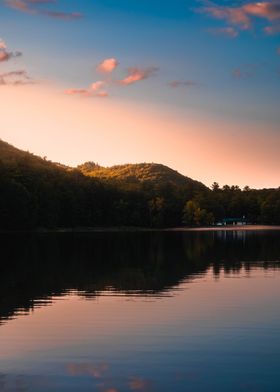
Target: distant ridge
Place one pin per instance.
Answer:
(10, 154)
(154, 174)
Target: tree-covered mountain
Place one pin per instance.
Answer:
(37, 193)
(141, 175)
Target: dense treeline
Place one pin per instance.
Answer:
(260, 206)
(36, 193)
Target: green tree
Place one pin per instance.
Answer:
(157, 207)
(215, 186)
(189, 213)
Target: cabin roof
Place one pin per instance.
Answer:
(233, 219)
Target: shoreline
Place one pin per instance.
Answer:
(229, 228)
(144, 229)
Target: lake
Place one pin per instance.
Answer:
(142, 311)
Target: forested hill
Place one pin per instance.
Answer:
(10, 155)
(37, 193)
(140, 175)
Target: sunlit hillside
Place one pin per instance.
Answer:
(142, 174)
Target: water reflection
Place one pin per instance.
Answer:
(24, 384)
(37, 268)
(124, 312)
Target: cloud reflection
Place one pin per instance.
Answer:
(139, 384)
(87, 369)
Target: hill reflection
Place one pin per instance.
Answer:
(36, 268)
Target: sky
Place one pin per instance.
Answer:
(192, 84)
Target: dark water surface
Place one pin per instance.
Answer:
(113, 312)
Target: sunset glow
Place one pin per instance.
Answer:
(204, 103)
(139, 195)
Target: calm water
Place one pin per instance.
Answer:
(140, 312)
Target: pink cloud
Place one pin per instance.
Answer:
(244, 72)
(18, 77)
(63, 15)
(182, 83)
(40, 1)
(273, 29)
(136, 74)
(107, 65)
(76, 91)
(29, 6)
(268, 10)
(230, 32)
(102, 94)
(20, 72)
(95, 90)
(243, 16)
(19, 5)
(5, 55)
(97, 85)
(2, 44)
(87, 369)
(236, 16)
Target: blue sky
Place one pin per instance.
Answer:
(176, 36)
(218, 59)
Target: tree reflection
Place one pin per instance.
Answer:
(37, 267)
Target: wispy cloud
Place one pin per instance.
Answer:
(235, 16)
(62, 15)
(5, 54)
(33, 7)
(243, 16)
(278, 50)
(88, 369)
(136, 74)
(273, 29)
(107, 65)
(229, 32)
(14, 77)
(96, 89)
(40, 1)
(19, 5)
(76, 91)
(2, 44)
(102, 94)
(183, 83)
(244, 72)
(97, 85)
(18, 77)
